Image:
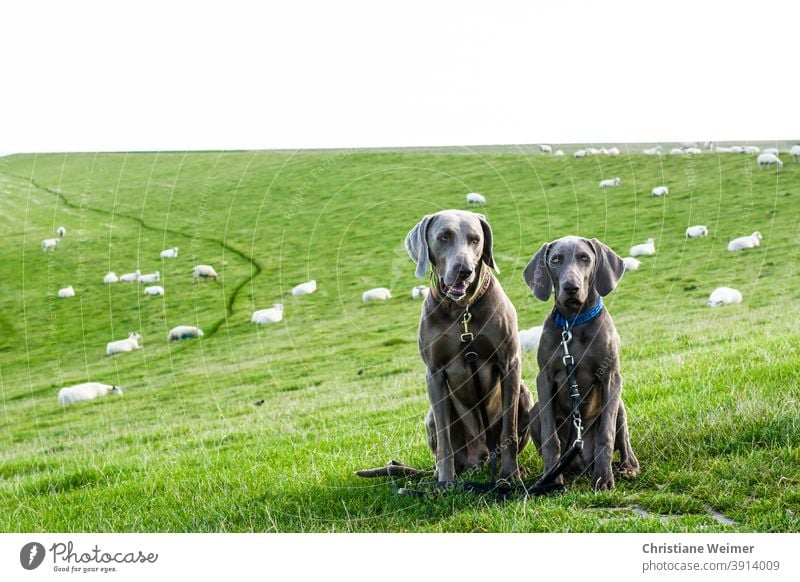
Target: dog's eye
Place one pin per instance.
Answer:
(444, 238)
(585, 258)
(474, 241)
(554, 260)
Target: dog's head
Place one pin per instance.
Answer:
(454, 243)
(576, 268)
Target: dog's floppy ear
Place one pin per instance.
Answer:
(417, 244)
(488, 244)
(608, 270)
(536, 275)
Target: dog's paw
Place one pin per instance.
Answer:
(603, 480)
(627, 470)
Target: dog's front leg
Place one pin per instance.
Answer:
(611, 386)
(551, 445)
(440, 404)
(510, 385)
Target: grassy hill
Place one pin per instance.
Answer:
(712, 394)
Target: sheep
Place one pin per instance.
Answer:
(773, 151)
(154, 290)
(377, 294)
(654, 151)
(660, 191)
(612, 151)
(768, 160)
(723, 150)
(745, 242)
(610, 183)
(110, 277)
(580, 154)
(676, 152)
(737, 149)
(86, 391)
(183, 332)
(592, 151)
(420, 292)
(724, 296)
(795, 152)
(150, 278)
(558, 153)
(604, 151)
(631, 264)
(750, 150)
(306, 288)
(126, 345)
(688, 144)
(49, 244)
(697, 231)
(647, 248)
(271, 315)
(693, 151)
(204, 271)
(66, 292)
(61, 231)
(545, 149)
(475, 198)
(130, 277)
(529, 339)
(170, 253)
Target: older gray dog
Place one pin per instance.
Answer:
(581, 272)
(468, 307)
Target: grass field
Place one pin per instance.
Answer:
(712, 394)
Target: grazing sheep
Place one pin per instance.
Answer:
(66, 292)
(768, 160)
(660, 191)
(49, 244)
(183, 332)
(610, 183)
(647, 248)
(737, 149)
(688, 144)
(150, 278)
(773, 151)
(86, 391)
(126, 345)
(580, 154)
(612, 151)
(697, 231)
(271, 315)
(204, 271)
(110, 277)
(795, 152)
(558, 153)
(745, 242)
(750, 149)
(154, 290)
(170, 253)
(61, 231)
(676, 152)
(631, 264)
(306, 288)
(545, 149)
(592, 151)
(654, 151)
(475, 198)
(529, 339)
(130, 277)
(723, 150)
(693, 151)
(724, 296)
(377, 294)
(420, 292)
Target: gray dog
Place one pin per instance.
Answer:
(581, 272)
(467, 308)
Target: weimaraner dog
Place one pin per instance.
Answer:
(458, 247)
(581, 272)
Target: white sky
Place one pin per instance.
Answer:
(235, 75)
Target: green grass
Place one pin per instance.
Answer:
(712, 395)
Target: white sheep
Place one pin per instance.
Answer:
(773, 151)
(475, 198)
(110, 277)
(558, 153)
(154, 290)
(49, 244)
(130, 277)
(182, 332)
(612, 151)
(751, 149)
(420, 292)
(580, 154)
(150, 278)
(610, 183)
(61, 231)
(693, 151)
(377, 294)
(592, 151)
(676, 152)
(126, 345)
(529, 339)
(697, 231)
(272, 315)
(306, 288)
(86, 391)
(768, 160)
(660, 191)
(170, 253)
(737, 149)
(204, 271)
(631, 264)
(724, 296)
(795, 152)
(723, 150)
(647, 248)
(545, 149)
(654, 151)
(745, 242)
(66, 292)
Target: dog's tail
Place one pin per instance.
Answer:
(393, 469)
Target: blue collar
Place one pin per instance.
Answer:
(581, 318)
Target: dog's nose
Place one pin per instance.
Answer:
(570, 288)
(464, 271)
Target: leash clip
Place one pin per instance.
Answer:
(568, 360)
(566, 336)
(466, 336)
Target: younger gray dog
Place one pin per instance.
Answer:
(581, 272)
